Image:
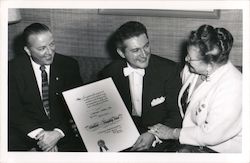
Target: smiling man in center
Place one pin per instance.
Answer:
(148, 84)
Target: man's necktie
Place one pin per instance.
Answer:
(184, 99)
(128, 70)
(45, 90)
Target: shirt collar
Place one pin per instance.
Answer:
(37, 66)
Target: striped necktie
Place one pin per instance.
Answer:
(184, 99)
(45, 90)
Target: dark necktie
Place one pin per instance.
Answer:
(184, 99)
(45, 90)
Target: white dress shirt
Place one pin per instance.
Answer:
(37, 71)
(135, 84)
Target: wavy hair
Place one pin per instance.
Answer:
(128, 30)
(215, 44)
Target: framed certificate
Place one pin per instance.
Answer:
(101, 117)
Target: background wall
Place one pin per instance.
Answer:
(84, 32)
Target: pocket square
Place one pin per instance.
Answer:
(157, 101)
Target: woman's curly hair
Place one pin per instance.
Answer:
(215, 44)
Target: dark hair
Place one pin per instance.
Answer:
(128, 30)
(34, 28)
(215, 44)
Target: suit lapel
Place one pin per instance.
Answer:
(30, 79)
(124, 87)
(146, 91)
(55, 76)
(147, 86)
(56, 83)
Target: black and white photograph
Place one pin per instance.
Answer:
(116, 81)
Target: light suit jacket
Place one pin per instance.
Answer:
(213, 116)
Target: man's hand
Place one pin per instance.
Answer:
(144, 142)
(48, 139)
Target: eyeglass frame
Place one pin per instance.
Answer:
(189, 59)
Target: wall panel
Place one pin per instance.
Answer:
(84, 32)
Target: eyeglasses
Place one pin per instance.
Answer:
(188, 59)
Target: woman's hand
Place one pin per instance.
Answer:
(164, 132)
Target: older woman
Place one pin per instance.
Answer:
(210, 98)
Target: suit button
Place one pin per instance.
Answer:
(57, 93)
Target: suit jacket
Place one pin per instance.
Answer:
(26, 112)
(213, 116)
(161, 79)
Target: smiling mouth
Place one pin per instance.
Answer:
(142, 60)
(49, 57)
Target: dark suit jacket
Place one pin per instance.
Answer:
(161, 79)
(26, 111)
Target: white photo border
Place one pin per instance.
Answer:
(31, 157)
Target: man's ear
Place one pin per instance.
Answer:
(120, 52)
(27, 50)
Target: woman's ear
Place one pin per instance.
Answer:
(119, 51)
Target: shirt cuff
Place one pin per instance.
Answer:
(156, 141)
(60, 131)
(34, 133)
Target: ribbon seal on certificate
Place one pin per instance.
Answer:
(101, 144)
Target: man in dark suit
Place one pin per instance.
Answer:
(38, 116)
(148, 84)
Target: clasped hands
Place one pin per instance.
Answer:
(146, 139)
(47, 140)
